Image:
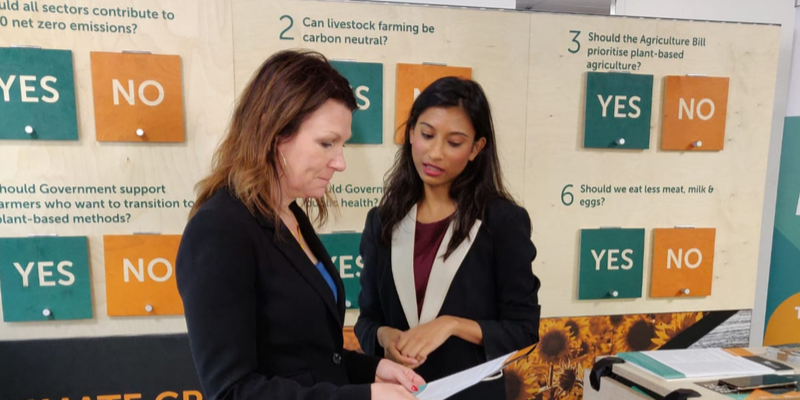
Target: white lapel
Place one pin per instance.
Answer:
(403, 265)
(442, 272)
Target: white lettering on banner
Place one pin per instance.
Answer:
(619, 107)
(24, 88)
(151, 266)
(138, 272)
(43, 274)
(53, 92)
(597, 259)
(117, 88)
(798, 312)
(61, 269)
(345, 265)
(128, 267)
(6, 86)
(690, 109)
(158, 87)
(632, 103)
(360, 94)
(129, 94)
(612, 258)
(604, 103)
(681, 258)
(625, 257)
(416, 93)
(24, 272)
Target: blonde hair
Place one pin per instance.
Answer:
(289, 86)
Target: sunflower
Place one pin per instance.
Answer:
(580, 329)
(569, 381)
(520, 379)
(555, 342)
(636, 334)
(616, 320)
(666, 332)
(578, 326)
(600, 326)
(581, 350)
(665, 318)
(602, 335)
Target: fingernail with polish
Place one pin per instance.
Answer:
(414, 388)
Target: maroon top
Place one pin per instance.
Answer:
(427, 239)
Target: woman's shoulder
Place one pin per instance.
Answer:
(374, 218)
(222, 211)
(502, 208)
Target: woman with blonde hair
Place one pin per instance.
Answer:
(264, 304)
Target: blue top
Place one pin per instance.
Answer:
(328, 279)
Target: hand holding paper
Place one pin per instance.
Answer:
(390, 372)
(443, 388)
(386, 391)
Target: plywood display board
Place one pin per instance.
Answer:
(651, 188)
(199, 32)
(534, 69)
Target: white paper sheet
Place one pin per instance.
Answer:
(702, 363)
(450, 385)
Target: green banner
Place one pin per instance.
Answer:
(783, 294)
(618, 108)
(344, 251)
(45, 278)
(366, 79)
(37, 95)
(611, 264)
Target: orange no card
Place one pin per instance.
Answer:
(140, 275)
(683, 262)
(137, 97)
(412, 79)
(695, 110)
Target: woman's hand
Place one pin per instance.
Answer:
(419, 342)
(389, 391)
(389, 372)
(387, 338)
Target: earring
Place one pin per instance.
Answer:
(284, 159)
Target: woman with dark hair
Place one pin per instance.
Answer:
(264, 304)
(447, 281)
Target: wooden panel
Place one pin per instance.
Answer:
(54, 175)
(649, 188)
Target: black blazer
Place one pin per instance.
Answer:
(493, 285)
(262, 321)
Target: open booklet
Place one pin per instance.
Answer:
(443, 388)
(703, 363)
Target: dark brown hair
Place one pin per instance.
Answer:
(289, 86)
(480, 182)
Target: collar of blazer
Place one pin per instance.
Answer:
(442, 272)
(300, 261)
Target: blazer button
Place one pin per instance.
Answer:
(337, 358)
